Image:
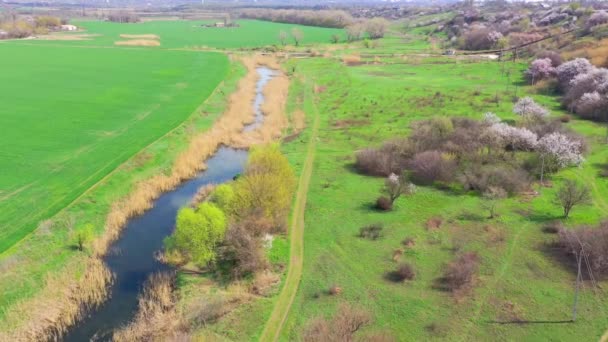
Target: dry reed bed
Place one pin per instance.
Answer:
(139, 36)
(137, 42)
(63, 301)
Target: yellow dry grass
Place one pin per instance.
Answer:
(351, 59)
(68, 37)
(597, 53)
(298, 121)
(59, 305)
(137, 42)
(62, 301)
(139, 36)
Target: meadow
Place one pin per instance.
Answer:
(191, 34)
(70, 116)
(519, 278)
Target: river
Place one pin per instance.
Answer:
(132, 257)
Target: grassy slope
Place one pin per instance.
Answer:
(48, 252)
(515, 273)
(70, 116)
(179, 34)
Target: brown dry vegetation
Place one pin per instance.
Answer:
(60, 305)
(137, 42)
(63, 301)
(139, 36)
(68, 37)
(597, 53)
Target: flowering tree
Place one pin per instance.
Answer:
(516, 137)
(395, 186)
(595, 80)
(527, 108)
(539, 69)
(569, 70)
(598, 18)
(491, 118)
(561, 148)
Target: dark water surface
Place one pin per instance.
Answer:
(131, 257)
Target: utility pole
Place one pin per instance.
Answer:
(579, 276)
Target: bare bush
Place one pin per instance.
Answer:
(460, 272)
(241, 253)
(322, 18)
(556, 58)
(374, 162)
(371, 232)
(342, 327)
(376, 27)
(384, 203)
(591, 242)
(431, 166)
(402, 273)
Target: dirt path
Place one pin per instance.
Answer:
(279, 314)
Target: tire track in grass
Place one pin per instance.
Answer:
(274, 325)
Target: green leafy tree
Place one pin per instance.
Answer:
(82, 237)
(197, 233)
(223, 196)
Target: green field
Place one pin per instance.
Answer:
(182, 34)
(517, 276)
(70, 116)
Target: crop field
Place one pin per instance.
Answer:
(182, 34)
(70, 116)
(518, 276)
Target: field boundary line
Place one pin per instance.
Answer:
(118, 167)
(274, 325)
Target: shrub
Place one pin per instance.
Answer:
(460, 272)
(408, 242)
(197, 232)
(553, 227)
(507, 177)
(594, 242)
(565, 118)
(342, 327)
(540, 69)
(241, 254)
(384, 203)
(403, 272)
(374, 162)
(556, 58)
(82, 237)
(376, 27)
(598, 18)
(371, 232)
(431, 166)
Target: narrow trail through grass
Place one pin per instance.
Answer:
(274, 325)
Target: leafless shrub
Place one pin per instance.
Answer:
(553, 227)
(460, 272)
(371, 232)
(241, 252)
(403, 272)
(374, 162)
(384, 203)
(431, 166)
(434, 223)
(408, 242)
(264, 283)
(341, 327)
(591, 242)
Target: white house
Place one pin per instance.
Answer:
(68, 28)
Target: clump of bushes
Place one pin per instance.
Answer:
(371, 232)
(460, 272)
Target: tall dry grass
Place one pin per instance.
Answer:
(157, 317)
(63, 301)
(61, 304)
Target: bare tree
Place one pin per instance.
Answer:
(283, 37)
(490, 200)
(354, 32)
(297, 35)
(571, 194)
(395, 186)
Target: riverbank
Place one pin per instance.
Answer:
(50, 305)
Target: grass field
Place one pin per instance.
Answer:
(69, 116)
(184, 33)
(517, 276)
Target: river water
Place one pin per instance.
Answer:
(131, 258)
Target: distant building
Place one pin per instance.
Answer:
(220, 24)
(68, 28)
